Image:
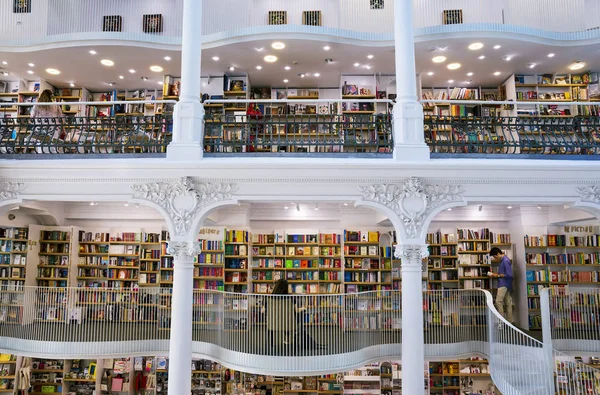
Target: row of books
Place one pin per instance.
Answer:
(14, 233)
(545, 241)
(361, 236)
(564, 259)
(439, 238)
(469, 234)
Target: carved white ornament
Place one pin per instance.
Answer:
(10, 190)
(183, 250)
(396, 196)
(590, 193)
(165, 194)
(411, 253)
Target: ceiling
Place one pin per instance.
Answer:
(78, 66)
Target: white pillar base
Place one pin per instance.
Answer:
(409, 135)
(188, 132)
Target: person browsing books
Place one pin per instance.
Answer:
(47, 117)
(505, 283)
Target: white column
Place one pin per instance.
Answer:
(180, 345)
(188, 117)
(409, 140)
(413, 348)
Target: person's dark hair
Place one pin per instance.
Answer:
(280, 288)
(495, 251)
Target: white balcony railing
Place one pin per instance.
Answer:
(160, 22)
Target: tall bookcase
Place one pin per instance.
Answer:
(124, 260)
(442, 265)
(236, 260)
(54, 258)
(302, 263)
(267, 262)
(150, 256)
(362, 265)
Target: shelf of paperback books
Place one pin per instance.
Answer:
(363, 270)
(236, 260)
(54, 256)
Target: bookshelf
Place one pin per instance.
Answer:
(362, 265)
(13, 264)
(236, 260)
(442, 263)
(364, 380)
(474, 260)
(166, 262)
(93, 259)
(209, 265)
(47, 376)
(267, 262)
(150, 257)
(77, 378)
(330, 263)
(124, 260)
(302, 263)
(54, 258)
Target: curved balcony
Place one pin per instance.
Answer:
(158, 23)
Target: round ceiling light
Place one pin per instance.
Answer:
(475, 46)
(577, 65)
(156, 69)
(107, 62)
(278, 45)
(53, 71)
(439, 59)
(270, 58)
(453, 66)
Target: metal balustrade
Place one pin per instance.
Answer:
(46, 21)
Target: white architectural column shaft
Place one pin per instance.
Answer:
(413, 348)
(180, 345)
(188, 117)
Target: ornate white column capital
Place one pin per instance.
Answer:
(10, 190)
(589, 193)
(413, 201)
(411, 253)
(184, 251)
(182, 200)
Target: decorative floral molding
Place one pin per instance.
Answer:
(589, 193)
(10, 190)
(166, 194)
(412, 201)
(183, 251)
(411, 253)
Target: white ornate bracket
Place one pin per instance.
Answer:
(589, 193)
(10, 190)
(412, 201)
(181, 200)
(183, 250)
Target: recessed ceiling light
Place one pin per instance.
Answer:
(327, 48)
(497, 46)
(531, 65)
(167, 58)
(475, 46)
(449, 209)
(144, 78)
(159, 82)
(508, 58)
(72, 85)
(121, 77)
(509, 207)
(539, 207)
(328, 61)
(482, 57)
(29, 71)
(430, 73)
(286, 81)
(370, 56)
(111, 83)
(550, 55)
(450, 81)
(93, 52)
(5, 62)
(285, 207)
(467, 82)
(258, 67)
(215, 58)
(317, 75)
(453, 66)
(5, 73)
(302, 75)
(52, 71)
(270, 58)
(367, 67)
(231, 68)
(439, 59)
(577, 65)
(287, 67)
(259, 49)
(31, 65)
(132, 71)
(497, 73)
(107, 62)
(469, 73)
(278, 45)
(356, 64)
(156, 69)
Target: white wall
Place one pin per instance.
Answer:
(553, 15)
(431, 13)
(25, 27)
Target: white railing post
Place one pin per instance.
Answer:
(188, 119)
(180, 345)
(547, 334)
(413, 340)
(409, 139)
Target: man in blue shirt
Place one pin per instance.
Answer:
(505, 284)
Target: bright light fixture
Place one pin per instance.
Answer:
(531, 65)
(453, 66)
(450, 81)
(469, 73)
(144, 78)
(5, 62)
(53, 71)
(107, 62)
(93, 204)
(258, 67)
(497, 73)
(482, 57)
(356, 64)
(29, 71)
(286, 81)
(215, 58)
(439, 59)
(317, 75)
(497, 46)
(132, 71)
(5, 73)
(167, 58)
(370, 56)
(509, 207)
(156, 69)
(231, 68)
(539, 207)
(121, 77)
(93, 52)
(550, 55)
(278, 45)
(302, 75)
(367, 67)
(285, 207)
(430, 73)
(31, 65)
(159, 82)
(270, 58)
(111, 83)
(475, 46)
(467, 82)
(259, 49)
(449, 209)
(577, 65)
(508, 58)
(327, 48)
(287, 67)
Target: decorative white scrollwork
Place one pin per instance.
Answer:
(10, 190)
(412, 200)
(589, 193)
(184, 251)
(182, 200)
(412, 253)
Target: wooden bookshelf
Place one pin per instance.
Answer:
(362, 264)
(150, 257)
(54, 258)
(237, 244)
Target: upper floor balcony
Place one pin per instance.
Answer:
(48, 22)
